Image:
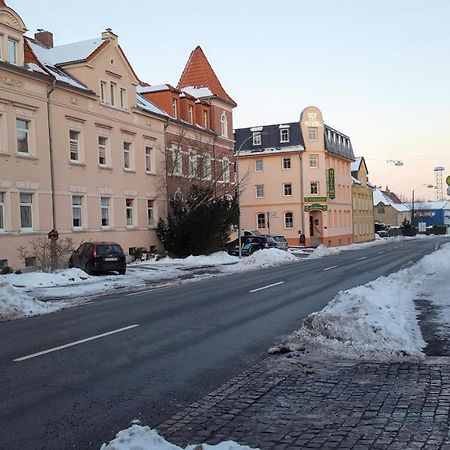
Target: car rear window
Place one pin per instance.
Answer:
(109, 249)
(271, 240)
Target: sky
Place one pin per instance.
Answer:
(378, 70)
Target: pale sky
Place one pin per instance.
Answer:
(379, 70)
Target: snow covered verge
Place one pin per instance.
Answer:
(143, 438)
(15, 304)
(378, 320)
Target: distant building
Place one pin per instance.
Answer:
(389, 209)
(296, 178)
(432, 213)
(362, 196)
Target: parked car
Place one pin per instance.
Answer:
(251, 244)
(281, 241)
(96, 257)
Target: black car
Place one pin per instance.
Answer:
(281, 241)
(96, 257)
(251, 244)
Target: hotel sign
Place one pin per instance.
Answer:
(316, 207)
(331, 184)
(315, 199)
(312, 120)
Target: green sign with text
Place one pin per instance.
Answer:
(316, 207)
(448, 180)
(331, 184)
(315, 199)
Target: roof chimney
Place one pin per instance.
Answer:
(44, 37)
(2, 3)
(109, 35)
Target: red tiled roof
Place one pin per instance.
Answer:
(199, 73)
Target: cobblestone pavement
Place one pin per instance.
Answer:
(296, 403)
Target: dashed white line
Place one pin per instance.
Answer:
(380, 252)
(329, 268)
(71, 344)
(266, 287)
(364, 257)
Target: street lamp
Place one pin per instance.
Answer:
(238, 197)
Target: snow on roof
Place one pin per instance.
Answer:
(269, 150)
(355, 181)
(148, 106)
(355, 164)
(156, 88)
(380, 197)
(198, 92)
(441, 204)
(35, 68)
(68, 53)
(64, 78)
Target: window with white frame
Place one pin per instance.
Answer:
(284, 135)
(287, 163)
(2, 211)
(150, 213)
(193, 164)
(23, 136)
(224, 125)
(12, 51)
(257, 138)
(259, 191)
(226, 170)
(191, 114)
(26, 211)
(259, 165)
(313, 161)
(261, 221)
(113, 89)
(123, 98)
(102, 151)
(103, 87)
(77, 211)
(149, 159)
(288, 220)
(104, 211)
(207, 166)
(177, 161)
(74, 145)
(174, 108)
(312, 134)
(287, 189)
(314, 187)
(129, 207)
(127, 160)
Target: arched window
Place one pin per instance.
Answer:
(261, 221)
(224, 125)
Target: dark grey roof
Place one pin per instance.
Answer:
(338, 143)
(270, 137)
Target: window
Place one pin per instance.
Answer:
(3, 263)
(261, 221)
(313, 161)
(104, 211)
(113, 93)
(191, 114)
(12, 51)
(123, 98)
(288, 220)
(207, 166)
(174, 108)
(127, 155)
(314, 187)
(205, 119)
(259, 189)
(23, 136)
(259, 165)
(224, 125)
(286, 163)
(30, 261)
(77, 205)
(149, 159)
(177, 161)
(284, 135)
(74, 145)
(129, 204)
(257, 138)
(287, 189)
(2, 211)
(193, 164)
(102, 148)
(26, 211)
(312, 134)
(150, 216)
(380, 208)
(226, 170)
(103, 91)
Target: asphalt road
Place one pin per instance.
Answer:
(158, 350)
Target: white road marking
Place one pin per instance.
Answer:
(380, 252)
(364, 257)
(329, 268)
(71, 344)
(266, 287)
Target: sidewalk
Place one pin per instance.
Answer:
(288, 402)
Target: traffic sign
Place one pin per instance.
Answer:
(447, 180)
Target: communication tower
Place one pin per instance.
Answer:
(438, 171)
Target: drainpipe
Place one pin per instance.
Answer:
(302, 209)
(166, 125)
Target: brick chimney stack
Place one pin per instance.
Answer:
(44, 37)
(2, 3)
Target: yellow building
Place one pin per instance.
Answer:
(362, 196)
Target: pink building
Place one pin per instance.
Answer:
(295, 178)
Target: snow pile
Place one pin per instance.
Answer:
(265, 258)
(215, 259)
(15, 304)
(378, 321)
(143, 438)
(65, 277)
(322, 251)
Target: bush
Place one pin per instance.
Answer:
(6, 270)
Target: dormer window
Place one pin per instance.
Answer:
(284, 135)
(224, 125)
(174, 108)
(257, 138)
(12, 51)
(191, 114)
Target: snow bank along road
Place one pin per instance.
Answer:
(74, 378)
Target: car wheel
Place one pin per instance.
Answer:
(122, 271)
(70, 264)
(88, 269)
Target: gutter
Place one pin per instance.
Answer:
(52, 162)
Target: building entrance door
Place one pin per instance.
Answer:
(316, 228)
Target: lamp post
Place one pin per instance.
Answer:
(238, 196)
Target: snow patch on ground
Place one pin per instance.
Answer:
(143, 438)
(15, 304)
(322, 251)
(264, 258)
